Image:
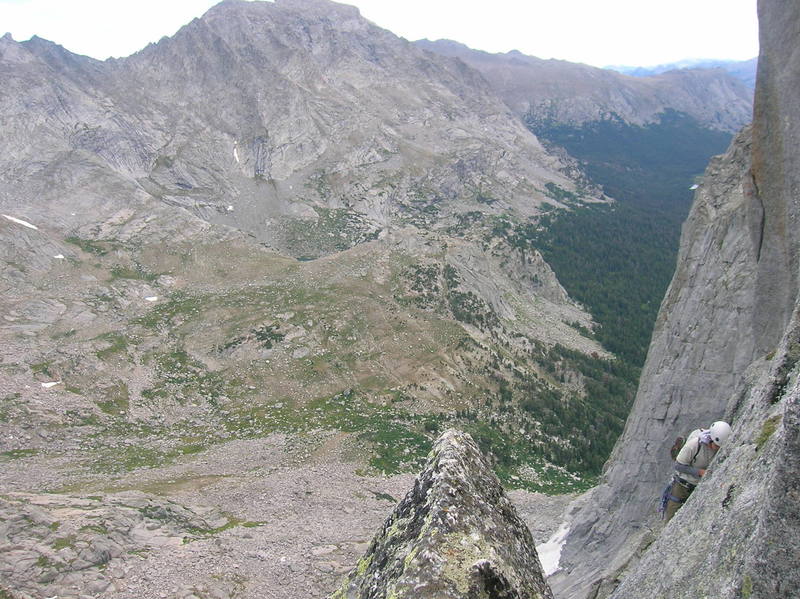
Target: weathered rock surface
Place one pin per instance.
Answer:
(724, 347)
(455, 534)
(776, 163)
(57, 545)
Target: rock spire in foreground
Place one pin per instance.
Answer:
(456, 534)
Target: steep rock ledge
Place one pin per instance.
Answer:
(747, 507)
(454, 535)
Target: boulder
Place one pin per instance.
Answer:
(455, 535)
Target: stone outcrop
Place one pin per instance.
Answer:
(455, 535)
(722, 348)
(78, 546)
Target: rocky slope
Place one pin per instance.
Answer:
(557, 91)
(724, 347)
(263, 115)
(295, 125)
(253, 271)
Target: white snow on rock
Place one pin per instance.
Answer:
(236, 154)
(152, 298)
(24, 223)
(59, 256)
(51, 384)
(550, 551)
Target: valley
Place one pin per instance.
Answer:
(253, 271)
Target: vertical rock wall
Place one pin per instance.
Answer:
(776, 161)
(728, 307)
(738, 536)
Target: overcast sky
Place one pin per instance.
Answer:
(597, 32)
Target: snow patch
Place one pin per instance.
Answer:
(550, 551)
(236, 154)
(21, 222)
(152, 298)
(59, 256)
(51, 384)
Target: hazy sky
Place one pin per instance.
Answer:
(597, 32)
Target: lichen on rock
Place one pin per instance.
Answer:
(455, 535)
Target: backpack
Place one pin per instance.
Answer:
(666, 494)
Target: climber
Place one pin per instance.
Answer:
(691, 464)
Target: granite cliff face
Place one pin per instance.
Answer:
(455, 535)
(725, 346)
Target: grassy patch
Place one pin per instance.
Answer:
(117, 343)
(95, 528)
(90, 246)
(182, 377)
(334, 230)
(117, 399)
(747, 587)
(767, 430)
(560, 194)
(42, 368)
(395, 437)
(784, 372)
(178, 307)
(64, 542)
(45, 563)
(16, 454)
(137, 273)
(125, 459)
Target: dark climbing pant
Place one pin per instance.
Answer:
(678, 491)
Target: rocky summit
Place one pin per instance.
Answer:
(455, 535)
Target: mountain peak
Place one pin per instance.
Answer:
(308, 8)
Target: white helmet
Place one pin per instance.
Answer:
(720, 431)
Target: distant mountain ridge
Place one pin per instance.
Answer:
(741, 69)
(644, 141)
(571, 93)
(341, 102)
